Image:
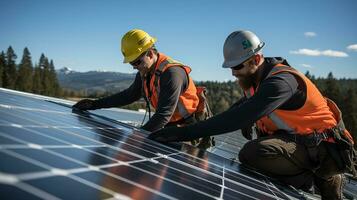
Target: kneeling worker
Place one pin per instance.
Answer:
(301, 137)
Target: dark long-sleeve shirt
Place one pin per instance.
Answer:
(173, 82)
(279, 91)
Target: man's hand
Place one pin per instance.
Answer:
(85, 104)
(169, 134)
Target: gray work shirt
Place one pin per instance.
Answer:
(173, 82)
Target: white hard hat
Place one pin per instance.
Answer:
(239, 46)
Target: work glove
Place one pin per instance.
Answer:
(169, 134)
(85, 104)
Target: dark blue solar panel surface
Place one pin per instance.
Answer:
(50, 152)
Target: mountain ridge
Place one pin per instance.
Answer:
(94, 81)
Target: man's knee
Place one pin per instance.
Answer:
(257, 149)
(266, 154)
(251, 153)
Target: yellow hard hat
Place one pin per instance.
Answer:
(134, 43)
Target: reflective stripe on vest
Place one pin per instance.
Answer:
(279, 123)
(313, 116)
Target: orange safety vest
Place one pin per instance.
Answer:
(317, 115)
(188, 100)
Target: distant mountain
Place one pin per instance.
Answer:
(65, 70)
(94, 81)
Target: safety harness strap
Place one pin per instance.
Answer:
(180, 106)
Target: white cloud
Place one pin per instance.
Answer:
(333, 53)
(352, 47)
(307, 52)
(315, 52)
(306, 65)
(310, 34)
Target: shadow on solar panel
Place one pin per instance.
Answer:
(50, 152)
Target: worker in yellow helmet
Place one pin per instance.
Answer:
(163, 82)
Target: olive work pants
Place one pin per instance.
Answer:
(288, 161)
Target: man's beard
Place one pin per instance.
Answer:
(246, 82)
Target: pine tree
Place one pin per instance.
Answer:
(55, 87)
(45, 75)
(350, 112)
(24, 78)
(333, 91)
(2, 67)
(311, 77)
(9, 78)
(307, 74)
(36, 80)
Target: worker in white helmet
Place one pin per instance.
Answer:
(301, 138)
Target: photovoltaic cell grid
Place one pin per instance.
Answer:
(228, 145)
(49, 152)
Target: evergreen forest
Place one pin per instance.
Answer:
(41, 78)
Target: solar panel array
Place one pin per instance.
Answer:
(48, 151)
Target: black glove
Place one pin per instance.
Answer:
(169, 134)
(85, 104)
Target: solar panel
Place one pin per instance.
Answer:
(48, 151)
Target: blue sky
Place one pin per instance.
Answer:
(319, 36)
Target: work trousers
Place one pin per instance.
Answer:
(288, 161)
